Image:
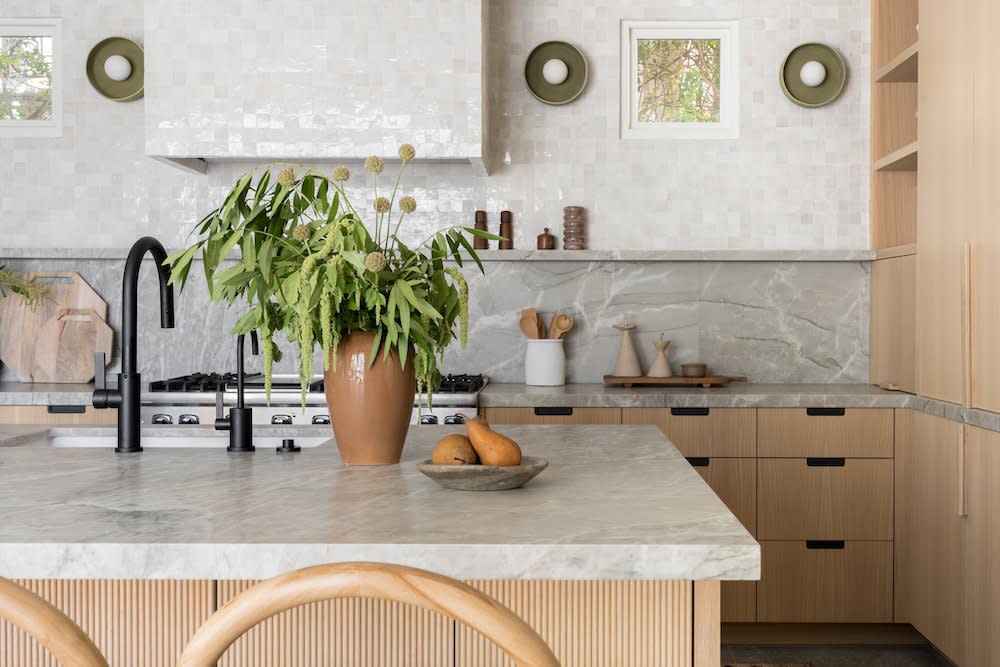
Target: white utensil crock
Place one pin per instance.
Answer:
(545, 362)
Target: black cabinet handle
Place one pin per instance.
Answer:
(689, 412)
(826, 412)
(699, 461)
(826, 462)
(553, 412)
(824, 544)
(66, 409)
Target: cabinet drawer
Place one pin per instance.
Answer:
(739, 601)
(798, 432)
(57, 415)
(803, 583)
(702, 431)
(553, 415)
(735, 482)
(819, 499)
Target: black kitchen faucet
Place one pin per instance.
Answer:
(126, 396)
(239, 423)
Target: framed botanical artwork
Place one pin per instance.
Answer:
(30, 86)
(680, 80)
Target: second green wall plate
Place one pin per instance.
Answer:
(568, 90)
(826, 92)
(120, 91)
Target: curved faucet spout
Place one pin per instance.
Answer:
(130, 298)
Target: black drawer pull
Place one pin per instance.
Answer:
(824, 544)
(825, 412)
(66, 409)
(689, 412)
(826, 462)
(553, 412)
(699, 461)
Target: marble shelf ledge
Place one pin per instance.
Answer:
(525, 255)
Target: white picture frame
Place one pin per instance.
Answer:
(728, 34)
(38, 27)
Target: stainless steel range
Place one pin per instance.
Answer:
(195, 399)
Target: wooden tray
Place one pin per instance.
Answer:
(675, 381)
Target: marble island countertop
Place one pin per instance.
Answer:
(615, 503)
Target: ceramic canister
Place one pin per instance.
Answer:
(545, 362)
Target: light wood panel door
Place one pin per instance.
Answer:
(893, 323)
(930, 533)
(712, 432)
(985, 296)
(944, 194)
(41, 414)
(132, 622)
(846, 582)
(802, 432)
(982, 552)
(356, 632)
(825, 499)
(547, 415)
(593, 623)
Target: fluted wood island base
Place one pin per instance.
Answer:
(613, 554)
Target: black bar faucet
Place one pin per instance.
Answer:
(126, 396)
(239, 423)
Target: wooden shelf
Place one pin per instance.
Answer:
(896, 251)
(903, 159)
(903, 68)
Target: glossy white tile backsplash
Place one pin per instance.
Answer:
(795, 178)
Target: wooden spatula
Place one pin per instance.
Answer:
(529, 323)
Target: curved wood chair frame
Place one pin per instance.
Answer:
(49, 626)
(367, 580)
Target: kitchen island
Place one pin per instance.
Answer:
(613, 553)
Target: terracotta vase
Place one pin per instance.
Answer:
(370, 404)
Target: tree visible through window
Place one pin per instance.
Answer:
(26, 77)
(679, 80)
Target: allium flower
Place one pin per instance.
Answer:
(341, 174)
(382, 205)
(407, 152)
(375, 262)
(408, 204)
(286, 177)
(374, 164)
(302, 232)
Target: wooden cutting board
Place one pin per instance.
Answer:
(20, 325)
(64, 350)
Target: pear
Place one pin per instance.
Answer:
(493, 448)
(454, 449)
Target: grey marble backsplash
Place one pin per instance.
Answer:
(772, 321)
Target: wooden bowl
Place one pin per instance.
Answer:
(484, 478)
(694, 370)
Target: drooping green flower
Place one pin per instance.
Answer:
(302, 232)
(341, 173)
(407, 152)
(408, 204)
(375, 262)
(286, 177)
(374, 164)
(382, 205)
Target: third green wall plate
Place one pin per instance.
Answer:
(826, 92)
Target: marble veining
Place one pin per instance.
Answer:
(183, 513)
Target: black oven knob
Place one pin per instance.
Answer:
(321, 419)
(454, 419)
(163, 419)
(429, 419)
(188, 419)
(282, 420)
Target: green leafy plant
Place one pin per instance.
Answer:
(28, 289)
(310, 267)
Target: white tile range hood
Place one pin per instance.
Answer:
(314, 80)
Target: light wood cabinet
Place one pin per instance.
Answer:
(553, 415)
(823, 499)
(893, 323)
(132, 622)
(711, 432)
(823, 432)
(944, 195)
(982, 548)
(57, 415)
(930, 533)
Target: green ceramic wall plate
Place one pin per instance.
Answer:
(809, 96)
(120, 91)
(576, 79)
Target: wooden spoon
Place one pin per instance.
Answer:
(561, 325)
(529, 323)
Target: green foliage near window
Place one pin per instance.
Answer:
(679, 80)
(310, 267)
(29, 289)
(25, 78)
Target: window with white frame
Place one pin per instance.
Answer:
(680, 80)
(30, 78)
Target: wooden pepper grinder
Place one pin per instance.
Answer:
(546, 241)
(478, 243)
(627, 364)
(506, 231)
